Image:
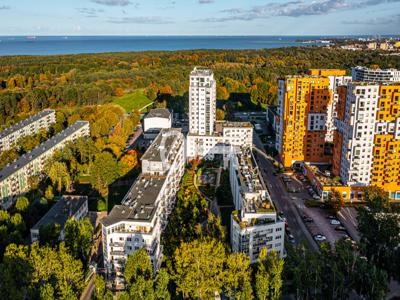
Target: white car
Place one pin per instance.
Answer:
(335, 222)
(319, 238)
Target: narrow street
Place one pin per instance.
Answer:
(282, 198)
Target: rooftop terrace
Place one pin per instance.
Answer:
(255, 194)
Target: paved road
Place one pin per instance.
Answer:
(88, 291)
(283, 200)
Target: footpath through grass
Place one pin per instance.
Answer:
(133, 101)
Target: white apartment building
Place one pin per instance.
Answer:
(29, 126)
(156, 120)
(334, 83)
(208, 137)
(254, 224)
(364, 74)
(140, 220)
(202, 102)
(14, 177)
(358, 129)
(67, 207)
(226, 134)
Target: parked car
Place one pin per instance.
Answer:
(340, 228)
(309, 220)
(319, 237)
(335, 222)
(316, 197)
(331, 217)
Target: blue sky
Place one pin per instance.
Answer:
(199, 17)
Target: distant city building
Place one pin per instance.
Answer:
(364, 74)
(254, 224)
(14, 177)
(156, 120)
(65, 208)
(139, 221)
(372, 46)
(29, 126)
(208, 137)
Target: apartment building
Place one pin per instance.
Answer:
(364, 74)
(305, 116)
(67, 207)
(202, 101)
(139, 221)
(369, 137)
(156, 120)
(208, 137)
(14, 178)
(254, 224)
(226, 134)
(29, 126)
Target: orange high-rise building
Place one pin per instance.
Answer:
(305, 116)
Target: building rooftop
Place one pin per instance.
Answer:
(361, 68)
(25, 159)
(64, 208)
(160, 149)
(139, 203)
(198, 71)
(25, 122)
(251, 182)
(159, 113)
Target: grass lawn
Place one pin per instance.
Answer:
(134, 100)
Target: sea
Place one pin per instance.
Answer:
(49, 45)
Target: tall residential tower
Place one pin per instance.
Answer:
(202, 101)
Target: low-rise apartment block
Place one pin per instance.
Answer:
(65, 208)
(254, 224)
(14, 178)
(139, 221)
(29, 126)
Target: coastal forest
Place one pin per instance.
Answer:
(246, 79)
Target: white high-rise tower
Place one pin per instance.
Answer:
(202, 102)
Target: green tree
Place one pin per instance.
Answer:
(59, 175)
(49, 194)
(49, 234)
(161, 285)
(198, 268)
(22, 204)
(104, 171)
(336, 201)
(78, 238)
(269, 275)
(138, 264)
(237, 276)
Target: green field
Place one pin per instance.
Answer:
(135, 100)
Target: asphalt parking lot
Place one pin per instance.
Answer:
(322, 225)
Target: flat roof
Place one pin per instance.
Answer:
(159, 113)
(161, 146)
(251, 181)
(25, 122)
(61, 211)
(25, 159)
(199, 71)
(139, 203)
